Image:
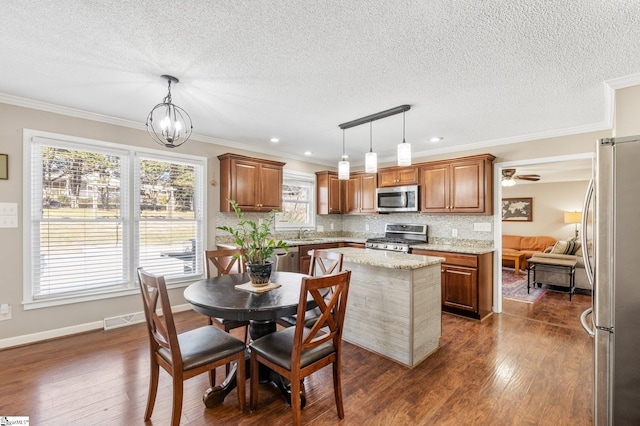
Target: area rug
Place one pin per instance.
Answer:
(514, 287)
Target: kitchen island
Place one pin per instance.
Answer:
(394, 306)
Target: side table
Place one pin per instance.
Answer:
(517, 258)
(562, 265)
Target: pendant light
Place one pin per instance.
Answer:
(371, 158)
(168, 124)
(404, 148)
(343, 166)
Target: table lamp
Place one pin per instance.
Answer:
(573, 217)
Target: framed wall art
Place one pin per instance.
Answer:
(517, 209)
(4, 166)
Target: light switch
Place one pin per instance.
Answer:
(8, 209)
(482, 227)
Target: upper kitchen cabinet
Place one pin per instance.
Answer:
(397, 176)
(329, 193)
(360, 193)
(255, 184)
(462, 185)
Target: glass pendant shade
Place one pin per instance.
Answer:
(404, 154)
(371, 162)
(343, 170)
(508, 182)
(404, 148)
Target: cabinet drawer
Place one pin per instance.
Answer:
(469, 260)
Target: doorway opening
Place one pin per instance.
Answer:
(497, 209)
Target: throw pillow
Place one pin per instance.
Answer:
(566, 247)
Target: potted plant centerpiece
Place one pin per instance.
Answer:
(257, 243)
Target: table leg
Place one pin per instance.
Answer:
(516, 263)
(215, 396)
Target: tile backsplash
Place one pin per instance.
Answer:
(440, 227)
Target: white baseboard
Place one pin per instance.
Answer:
(68, 331)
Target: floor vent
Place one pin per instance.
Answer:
(123, 320)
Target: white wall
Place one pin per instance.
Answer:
(550, 201)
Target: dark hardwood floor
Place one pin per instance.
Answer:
(530, 365)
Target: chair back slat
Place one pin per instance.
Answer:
(161, 328)
(226, 261)
(328, 326)
(324, 262)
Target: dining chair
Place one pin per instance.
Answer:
(226, 261)
(322, 263)
(187, 354)
(297, 352)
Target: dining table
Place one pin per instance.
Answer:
(219, 297)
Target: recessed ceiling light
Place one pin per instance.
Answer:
(274, 140)
(436, 139)
(308, 153)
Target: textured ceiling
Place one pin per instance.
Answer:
(474, 72)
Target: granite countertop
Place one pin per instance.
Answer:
(311, 241)
(433, 247)
(454, 249)
(386, 259)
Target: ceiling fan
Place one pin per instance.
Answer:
(509, 177)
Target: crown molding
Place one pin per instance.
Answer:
(86, 115)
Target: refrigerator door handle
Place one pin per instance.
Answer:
(588, 266)
(583, 321)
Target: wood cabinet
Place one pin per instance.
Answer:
(304, 258)
(360, 193)
(255, 184)
(329, 197)
(397, 176)
(462, 185)
(353, 245)
(467, 282)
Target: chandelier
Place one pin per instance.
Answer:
(168, 124)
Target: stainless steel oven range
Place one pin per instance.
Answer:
(398, 237)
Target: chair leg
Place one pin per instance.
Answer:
(212, 377)
(337, 389)
(254, 383)
(296, 406)
(176, 411)
(241, 382)
(246, 334)
(153, 388)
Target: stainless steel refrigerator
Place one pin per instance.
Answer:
(613, 265)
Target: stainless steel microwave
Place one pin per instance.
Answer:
(397, 199)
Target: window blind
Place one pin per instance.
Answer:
(78, 213)
(97, 213)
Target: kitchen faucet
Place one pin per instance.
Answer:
(301, 233)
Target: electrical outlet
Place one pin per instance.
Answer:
(260, 222)
(332, 226)
(454, 232)
(366, 227)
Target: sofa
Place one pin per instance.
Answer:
(514, 244)
(550, 275)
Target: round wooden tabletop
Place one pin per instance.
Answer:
(218, 297)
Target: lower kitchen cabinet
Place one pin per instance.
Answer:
(467, 282)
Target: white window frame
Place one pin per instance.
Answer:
(288, 175)
(131, 218)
